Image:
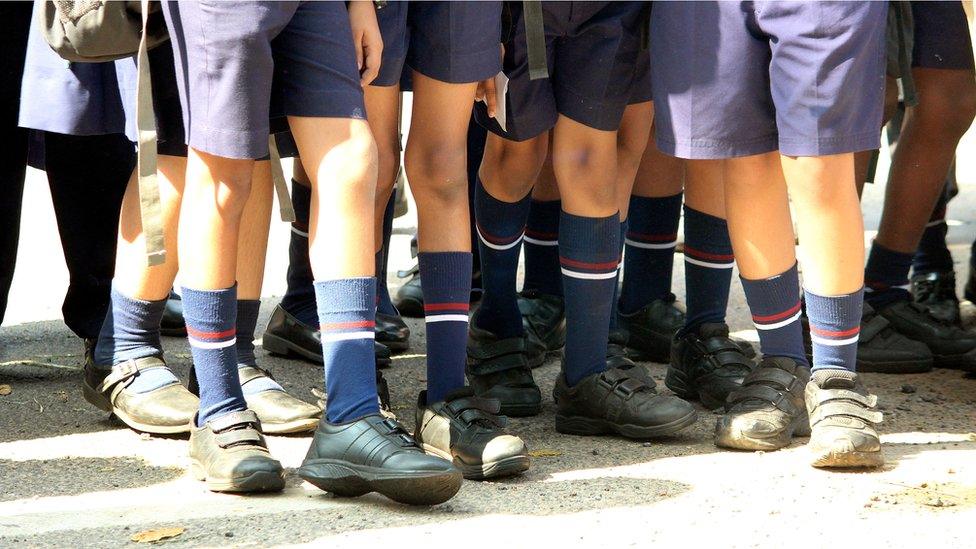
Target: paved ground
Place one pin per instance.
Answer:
(70, 476)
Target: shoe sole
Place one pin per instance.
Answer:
(586, 426)
(735, 440)
(899, 367)
(260, 481)
(410, 308)
(99, 401)
(507, 467)
(847, 460)
(520, 410)
(965, 361)
(289, 427)
(282, 347)
(410, 487)
(677, 381)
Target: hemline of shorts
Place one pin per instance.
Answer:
(708, 149)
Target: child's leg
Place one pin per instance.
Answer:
(541, 246)
(299, 298)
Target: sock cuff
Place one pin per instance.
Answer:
(657, 214)
(445, 270)
(211, 316)
(543, 222)
(589, 246)
(706, 231)
(775, 300)
(301, 199)
(834, 317)
(133, 303)
(499, 223)
(342, 295)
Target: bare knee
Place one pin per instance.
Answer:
(510, 168)
(438, 171)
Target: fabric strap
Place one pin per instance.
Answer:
(149, 205)
(535, 39)
(286, 208)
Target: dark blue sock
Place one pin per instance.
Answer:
(210, 326)
(247, 321)
(500, 226)
(447, 289)
(589, 254)
(835, 325)
(347, 317)
(614, 302)
(383, 302)
(708, 269)
(775, 306)
(933, 255)
(542, 248)
(299, 298)
(131, 330)
(650, 245)
(886, 276)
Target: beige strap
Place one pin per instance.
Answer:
(149, 204)
(281, 187)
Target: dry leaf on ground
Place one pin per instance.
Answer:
(544, 453)
(157, 534)
(5, 390)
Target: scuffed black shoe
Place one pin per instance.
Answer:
(707, 365)
(618, 402)
(652, 328)
(937, 292)
(289, 337)
(172, 323)
(230, 455)
(768, 410)
(393, 332)
(499, 369)
(951, 346)
(544, 317)
(842, 419)
(376, 454)
(467, 430)
(409, 298)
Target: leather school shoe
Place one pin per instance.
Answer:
(393, 332)
(230, 454)
(544, 317)
(616, 401)
(707, 365)
(843, 419)
(651, 328)
(278, 411)
(172, 323)
(937, 292)
(467, 430)
(951, 346)
(376, 454)
(166, 410)
(499, 369)
(287, 336)
(409, 299)
(768, 410)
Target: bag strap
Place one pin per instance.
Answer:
(535, 39)
(149, 204)
(285, 205)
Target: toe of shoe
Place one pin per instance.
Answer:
(503, 447)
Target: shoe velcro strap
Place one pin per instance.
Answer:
(474, 416)
(727, 357)
(779, 399)
(780, 379)
(873, 327)
(715, 345)
(232, 419)
(239, 436)
(123, 373)
(488, 405)
(250, 373)
(827, 395)
(496, 349)
(497, 364)
(846, 409)
(613, 376)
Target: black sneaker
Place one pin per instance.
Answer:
(707, 365)
(467, 430)
(499, 369)
(544, 317)
(652, 328)
(768, 410)
(409, 298)
(951, 346)
(937, 292)
(843, 420)
(618, 402)
(376, 454)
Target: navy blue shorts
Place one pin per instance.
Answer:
(640, 86)
(942, 39)
(454, 42)
(743, 78)
(591, 48)
(239, 63)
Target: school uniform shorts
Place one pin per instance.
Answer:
(942, 39)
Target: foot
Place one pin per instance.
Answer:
(289, 337)
(937, 292)
(707, 365)
(230, 454)
(768, 410)
(393, 332)
(499, 369)
(409, 298)
(544, 317)
(172, 323)
(467, 430)
(618, 402)
(951, 346)
(652, 328)
(166, 410)
(843, 419)
(376, 454)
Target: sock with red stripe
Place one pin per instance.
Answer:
(615, 300)
(775, 306)
(708, 269)
(500, 226)
(211, 316)
(835, 325)
(347, 320)
(933, 254)
(247, 321)
(542, 248)
(446, 284)
(299, 298)
(650, 244)
(589, 254)
(383, 302)
(886, 276)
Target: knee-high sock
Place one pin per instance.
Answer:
(383, 302)
(542, 248)
(650, 242)
(447, 289)
(299, 298)
(708, 269)
(835, 326)
(775, 306)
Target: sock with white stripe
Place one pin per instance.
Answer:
(886, 276)
(933, 254)
(131, 330)
(650, 244)
(835, 326)
(247, 321)
(775, 306)
(589, 254)
(446, 284)
(347, 320)
(615, 301)
(383, 302)
(299, 298)
(708, 269)
(542, 248)
(210, 327)
(500, 226)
